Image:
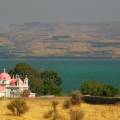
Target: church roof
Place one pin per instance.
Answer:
(5, 76)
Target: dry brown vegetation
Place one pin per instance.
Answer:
(39, 106)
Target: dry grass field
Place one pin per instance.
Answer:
(39, 106)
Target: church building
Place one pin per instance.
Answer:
(13, 86)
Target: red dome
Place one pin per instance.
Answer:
(13, 82)
(5, 76)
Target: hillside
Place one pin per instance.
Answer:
(86, 40)
(38, 108)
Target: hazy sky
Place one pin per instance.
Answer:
(15, 11)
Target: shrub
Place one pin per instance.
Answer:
(67, 104)
(25, 93)
(53, 114)
(98, 89)
(109, 91)
(48, 114)
(75, 97)
(76, 115)
(17, 106)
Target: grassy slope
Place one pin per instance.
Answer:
(38, 107)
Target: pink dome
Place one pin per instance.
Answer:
(13, 82)
(5, 76)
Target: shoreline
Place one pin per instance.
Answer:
(62, 58)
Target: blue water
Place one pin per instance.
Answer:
(74, 71)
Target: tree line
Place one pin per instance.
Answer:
(49, 82)
(46, 82)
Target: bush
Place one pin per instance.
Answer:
(48, 114)
(109, 91)
(76, 115)
(75, 97)
(53, 113)
(25, 93)
(67, 104)
(17, 106)
(98, 89)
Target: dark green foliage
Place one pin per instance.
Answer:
(98, 89)
(50, 76)
(75, 97)
(50, 89)
(17, 107)
(51, 83)
(23, 69)
(76, 115)
(109, 91)
(43, 83)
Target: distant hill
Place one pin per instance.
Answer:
(85, 40)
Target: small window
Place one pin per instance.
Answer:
(4, 81)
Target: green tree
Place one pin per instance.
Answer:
(51, 83)
(98, 89)
(23, 69)
(109, 90)
(49, 76)
(42, 83)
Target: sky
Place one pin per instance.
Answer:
(20, 11)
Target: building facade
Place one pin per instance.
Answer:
(13, 86)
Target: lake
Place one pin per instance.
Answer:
(74, 71)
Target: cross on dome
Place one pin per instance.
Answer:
(4, 70)
(26, 76)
